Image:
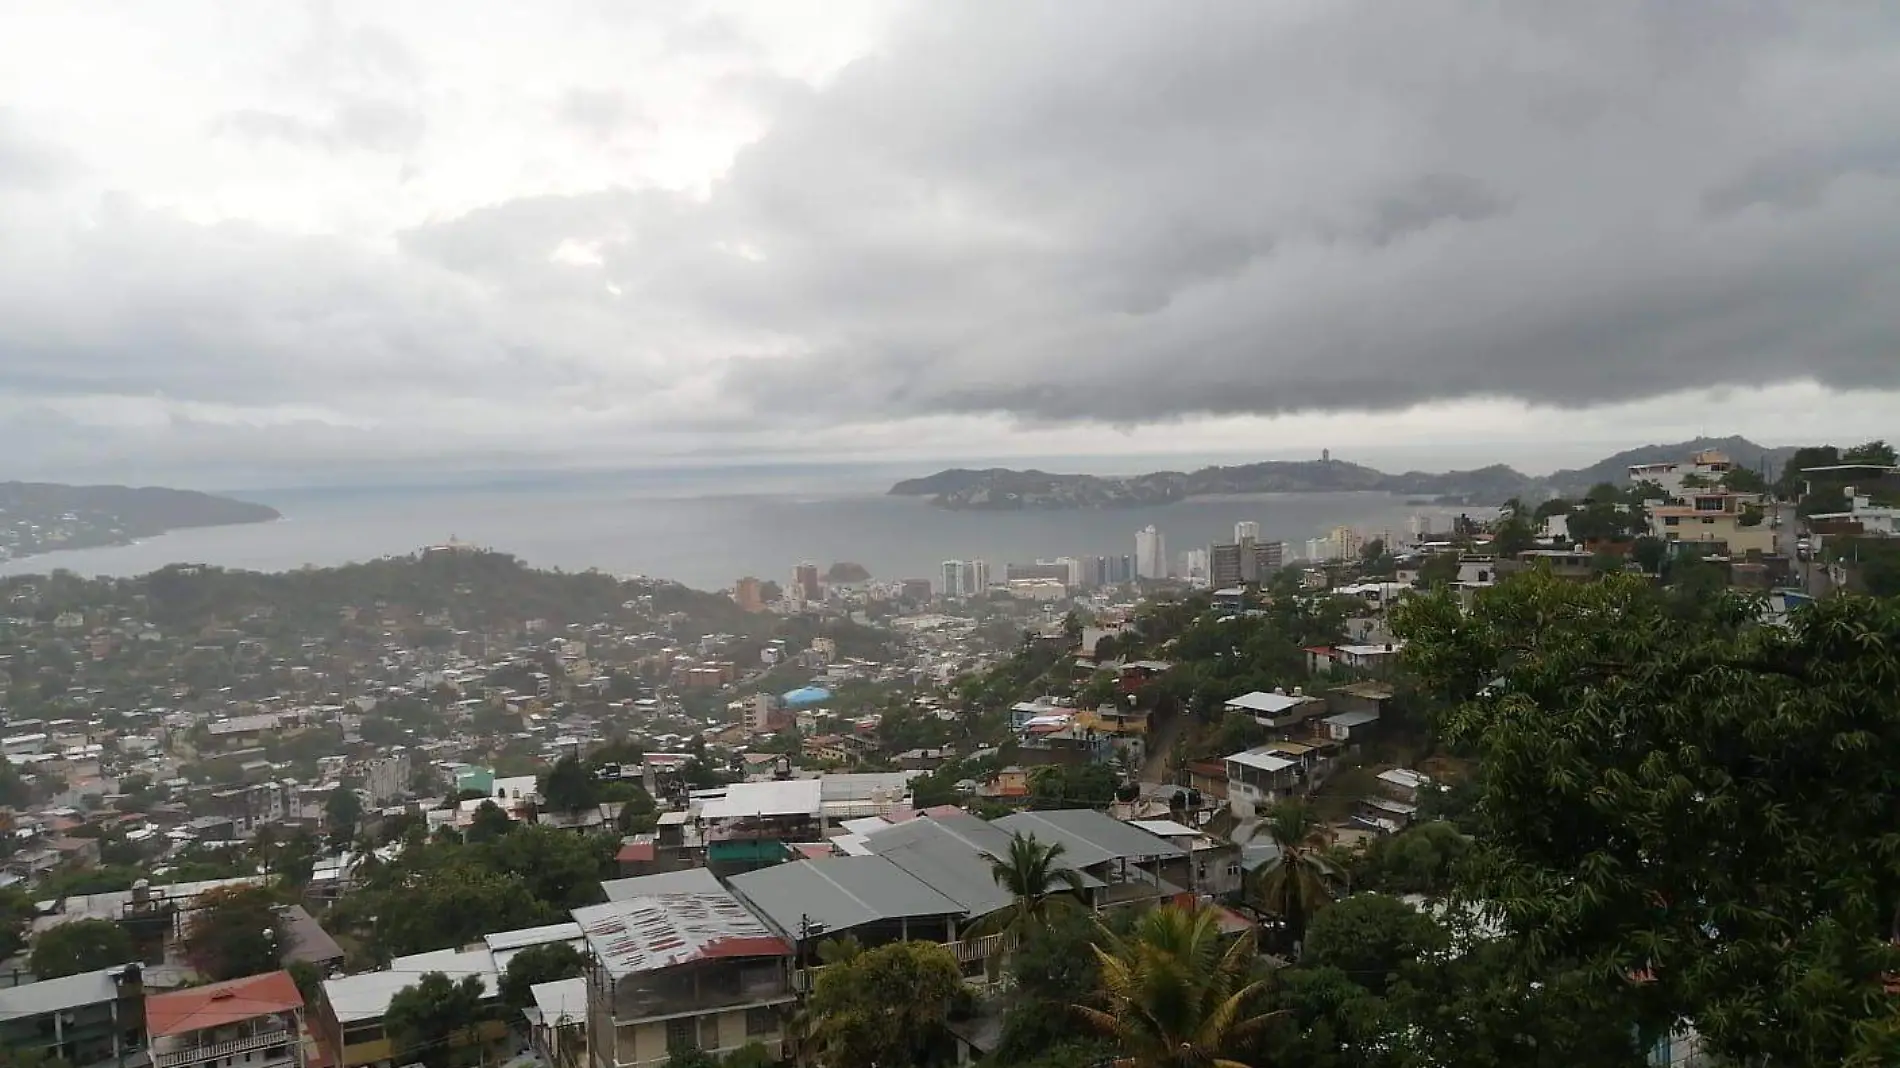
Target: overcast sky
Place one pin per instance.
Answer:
(243, 242)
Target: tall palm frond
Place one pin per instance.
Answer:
(1172, 996)
(1298, 882)
(1037, 881)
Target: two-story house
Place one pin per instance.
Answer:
(1716, 521)
(90, 1020)
(254, 1022)
(677, 962)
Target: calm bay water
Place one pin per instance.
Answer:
(709, 538)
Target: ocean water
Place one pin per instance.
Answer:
(707, 532)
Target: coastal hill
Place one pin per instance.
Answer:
(1003, 489)
(43, 517)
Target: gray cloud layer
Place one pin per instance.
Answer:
(1156, 211)
(1180, 209)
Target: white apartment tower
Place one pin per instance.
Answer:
(954, 578)
(1151, 553)
(978, 576)
(1246, 530)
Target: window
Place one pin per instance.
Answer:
(1670, 520)
(760, 1022)
(1708, 521)
(682, 1033)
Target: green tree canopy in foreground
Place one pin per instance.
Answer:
(426, 1021)
(884, 1006)
(1696, 813)
(1173, 995)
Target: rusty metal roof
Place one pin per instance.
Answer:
(675, 924)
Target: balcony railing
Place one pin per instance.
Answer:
(206, 1051)
(979, 948)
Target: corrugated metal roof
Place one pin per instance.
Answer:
(1261, 759)
(561, 1000)
(366, 997)
(653, 931)
(792, 797)
(219, 1004)
(684, 881)
(532, 936)
(1268, 703)
(865, 785)
(840, 893)
(1089, 837)
(939, 858)
(53, 995)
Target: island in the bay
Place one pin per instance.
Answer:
(45, 517)
(1004, 489)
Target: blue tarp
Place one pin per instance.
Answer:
(806, 695)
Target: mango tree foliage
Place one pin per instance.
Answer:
(1697, 814)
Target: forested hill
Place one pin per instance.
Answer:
(1004, 489)
(39, 517)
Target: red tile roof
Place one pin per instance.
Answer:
(635, 852)
(220, 1003)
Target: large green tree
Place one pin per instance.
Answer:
(1174, 994)
(79, 946)
(1422, 859)
(1698, 812)
(16, 913)
(885, 1005)
(569, 786)
(1873, 452)
(1371, 937)
(426, 1022)
(237, 931)
(342, 810)
(534, 966)
(452, 906)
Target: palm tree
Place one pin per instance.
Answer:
(1172, 997)
(1293, 885)
(1034, 876)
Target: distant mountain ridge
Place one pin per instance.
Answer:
(1004, 489)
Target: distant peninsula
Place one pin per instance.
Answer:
(1004, 489)
(46, 517)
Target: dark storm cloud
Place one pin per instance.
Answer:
(1153, 212)
(1187, 208)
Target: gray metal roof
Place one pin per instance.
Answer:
(1089, 837)
(684, 881)
(862, 785)
(55, 995)
(841, 893)
(561, 1001)
(938, 858)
